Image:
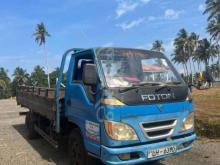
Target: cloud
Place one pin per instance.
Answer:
(201, 7)
(172, 14)
(131, 24)
(125, 6)
(169, 14)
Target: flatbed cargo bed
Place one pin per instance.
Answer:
(39, 100)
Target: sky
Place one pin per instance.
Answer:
(91, 23)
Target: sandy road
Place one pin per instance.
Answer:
(16, 149)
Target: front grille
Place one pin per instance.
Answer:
(159, 129)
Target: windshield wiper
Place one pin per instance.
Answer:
(128, 88)
(151, 84)
(136, 86)
(167, 85)
(160, 84)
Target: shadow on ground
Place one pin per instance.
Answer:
(50, 154)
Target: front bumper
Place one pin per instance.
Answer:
(110, 155)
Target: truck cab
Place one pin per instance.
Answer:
(122, 106)
(130, 105)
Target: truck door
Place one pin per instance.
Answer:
(80, 102)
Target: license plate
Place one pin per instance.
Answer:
(161, 151)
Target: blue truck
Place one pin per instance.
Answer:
(120, 105)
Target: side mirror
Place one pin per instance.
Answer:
(89, 75)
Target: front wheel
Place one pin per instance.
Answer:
(77, 152)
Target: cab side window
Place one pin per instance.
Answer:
(80, 62)
(78, 70)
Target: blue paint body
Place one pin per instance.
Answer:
(82, 110)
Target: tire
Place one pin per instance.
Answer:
(32, 134)
(76, 149)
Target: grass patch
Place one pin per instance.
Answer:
(209, 129)
(207, 112)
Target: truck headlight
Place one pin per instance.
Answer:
(119, 131)
(188, 122)
(112, 101)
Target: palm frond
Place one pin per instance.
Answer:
(40, 34)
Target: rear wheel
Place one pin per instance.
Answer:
(77, 152)
(32, 134)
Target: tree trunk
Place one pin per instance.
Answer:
(219, 66)
(47, 67)
(194, 67)
(187, 72)
(190, 65)
(184, 70)
(206, 65)
(199, 67)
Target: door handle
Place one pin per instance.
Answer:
(68, 102)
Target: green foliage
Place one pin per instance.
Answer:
(20, 77)
(40, 37)
(158, 46)
(38, 77)
(206, 51)
(180, 55)
(214, 28)
(213, 8)
(41, 34)
(4, 84)
(53, 77)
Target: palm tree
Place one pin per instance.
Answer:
(206, 51)
(20, 76)
(180, 58)
(192, 43)
(186, 45)
(214, 70)
(38, 76)
(214, 30)
(53, 77)
(158, 46)
(4, 84)
(3, 88)
(196, 58)
(182, 48)
(40, 37)
(213, 8)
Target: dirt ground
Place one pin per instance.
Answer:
(16, 149)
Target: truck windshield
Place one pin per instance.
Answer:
(129, 67)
